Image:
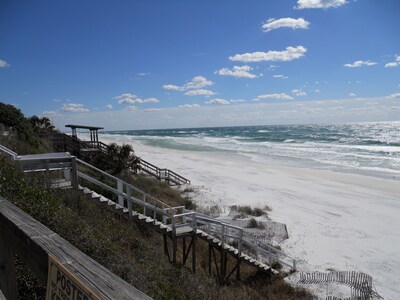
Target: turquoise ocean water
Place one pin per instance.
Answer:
(370, 148)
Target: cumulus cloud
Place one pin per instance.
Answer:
(132, 108)
(394, 63)
(299, 92)
(272, 24)
(197, 82)
(171, 87)
(289, 54)
(394, 96)
(238, 72)
(352, 95)
(129, 98)
(218, 101)
(280, 76)
(109, 106)
(188, 105)
(3, 64)
(360, 63)
(302, 4)
(73, 107)
(281, 96)
(49, 113)
(199, 92)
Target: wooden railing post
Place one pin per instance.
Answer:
(120, 186)
(74, 173)
(129, 200)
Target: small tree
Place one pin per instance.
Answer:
(120, 158)
(41, 126)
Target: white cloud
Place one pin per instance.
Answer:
(197, 82)
(352, 95)
(49, 113)
(302, 4)
(280, 76)
(272, 24)
(3, 64)
(237, 101)
(299, 92)
(151, 100)
(200, 92)
(171, 87)
(394, 63)
(317, 91)
(276, 96)
(125, 98)
(394, 96)
(360, 63)
(109, 106)
(151, 109)
(189, 105)
(218, 101)
(286, 55)
(132, 108)
(129, 98)
(238, 72)
(73, 107)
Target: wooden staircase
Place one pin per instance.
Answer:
(168, 230)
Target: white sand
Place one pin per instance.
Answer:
(338, 221)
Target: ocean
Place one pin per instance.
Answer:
(366, 148)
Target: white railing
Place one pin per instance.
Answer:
(8, 152)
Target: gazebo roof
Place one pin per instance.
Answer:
(83, 127)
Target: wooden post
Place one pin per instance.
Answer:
(209, 259)
(129, 200)
(174, 248)
(184, 251)
(74, 173)
(120, 186)
(8, 281)
(194, 253)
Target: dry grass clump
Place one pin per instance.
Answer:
(241, 212)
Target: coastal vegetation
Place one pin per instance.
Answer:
(130, 250)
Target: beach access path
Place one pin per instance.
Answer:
(336, 221)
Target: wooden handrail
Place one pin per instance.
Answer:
(34, 243)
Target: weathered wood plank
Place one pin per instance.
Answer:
(33, 242)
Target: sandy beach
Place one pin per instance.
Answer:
(336, 221)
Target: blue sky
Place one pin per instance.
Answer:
(185, 63)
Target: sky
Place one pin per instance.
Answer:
(148, 64)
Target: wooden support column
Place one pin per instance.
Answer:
(209, 259)
(74, 173)
(223, 266)
(184, 254)
(8, 281)
(174, 248)
(194, 254)
(238, 267)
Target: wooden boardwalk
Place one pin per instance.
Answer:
(174, 223)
